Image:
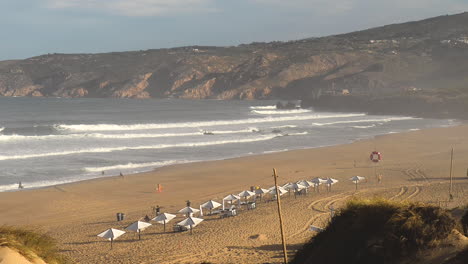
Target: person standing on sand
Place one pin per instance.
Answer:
(20, 185)
(379, 178)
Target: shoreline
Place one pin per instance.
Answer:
(98, 176)
(415, 167)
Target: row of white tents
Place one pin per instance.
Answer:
(190, 221)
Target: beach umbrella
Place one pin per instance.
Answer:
(231, 198)
(306, 183)
(281, 190)
(163, 219)
(190, 222)
(188, 211)
(138, 226)
(357, 179)
(246, 195)
(261, 191)
(295, 187)
(317, 182)
(330, 182)
(210, 205)
(111, 234)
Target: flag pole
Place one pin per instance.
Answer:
(283, 238)
(451, 180)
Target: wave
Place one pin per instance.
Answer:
(38, 184)
(298, 133)
(160, 146)
(115, 127)
(414, 129)
(117, 136)
(1, 129)
(384, 120)
(281, 112)
(264, 107)
(373, 125)
(137, 165)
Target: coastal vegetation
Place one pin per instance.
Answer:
(380, 231)
(31, 245)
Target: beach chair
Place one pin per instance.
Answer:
(178, 228)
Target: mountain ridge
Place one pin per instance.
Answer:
(426, 60)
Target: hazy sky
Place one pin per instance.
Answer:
(34, 27)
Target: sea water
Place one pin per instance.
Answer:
(49, 141)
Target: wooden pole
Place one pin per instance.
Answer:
(164, 226)
(451, 181)
(112, 240)
(283, 238)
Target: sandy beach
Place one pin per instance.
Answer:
(415, 167)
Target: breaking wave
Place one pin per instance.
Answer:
(365, 121)
(281, 112)
(115, 127)
(137, 165)
(264, 107)
(160, 146)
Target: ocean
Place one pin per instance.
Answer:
(50, 141)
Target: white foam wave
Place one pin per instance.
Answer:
(373, 125)
(37, 184)
(281, 112)
(414, 129)
(285, 126)
(1, 129)
(114, 127)
(298, 133)
(383, 120)
(136, 165)
(115, 136)
(160, 146)
(264, 107)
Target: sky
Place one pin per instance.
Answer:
(34, 27)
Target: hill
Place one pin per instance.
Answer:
(411, 68)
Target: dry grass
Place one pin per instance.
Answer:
(31, 244)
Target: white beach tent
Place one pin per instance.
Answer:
(188, 211)
(210, 205)
(111, 234)
(163, 219)
(191, 222)
(294, 186)
(231, 198)
(281, 190)
(330, 182)
(306, 183)
(138, 226)
(317, 182)
(261, 192)
(357, 179)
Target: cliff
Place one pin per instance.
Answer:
(424, 60)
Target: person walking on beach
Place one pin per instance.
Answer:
(20, 185)
(379, 178)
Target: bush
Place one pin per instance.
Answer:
(377, 231)
(30, 244)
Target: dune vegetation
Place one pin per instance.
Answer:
(378, 231)
(31, 244)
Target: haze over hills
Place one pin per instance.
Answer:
(411, 68)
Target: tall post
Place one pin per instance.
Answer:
(451, 181)
(283, 238)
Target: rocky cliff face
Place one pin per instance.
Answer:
(425, 58)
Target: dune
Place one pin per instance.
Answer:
(10, 256)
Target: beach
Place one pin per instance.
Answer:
(415, 167)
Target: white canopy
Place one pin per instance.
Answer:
(111, 234)
(231, 197)
(191, 221)
(261, 191)
(188, 210)
(210, 205)
(306, 183)
(280, 189)
(246, 194)
(331, 181)
(318, 181)
(163, 217)
(356, 179)
(294, 186)
(138, 226)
